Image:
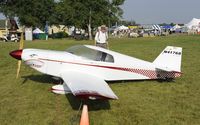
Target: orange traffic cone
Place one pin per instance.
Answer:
(84, 116)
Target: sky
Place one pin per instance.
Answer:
(1, 16)
(161, 11)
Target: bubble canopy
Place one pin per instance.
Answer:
(90, 54)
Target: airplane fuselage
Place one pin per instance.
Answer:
(122, 68)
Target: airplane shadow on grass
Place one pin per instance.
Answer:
(138, 81)
(41, 78)
(75, 102)
(93, 105)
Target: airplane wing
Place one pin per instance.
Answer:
(86, 85)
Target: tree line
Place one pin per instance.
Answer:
(85, 14)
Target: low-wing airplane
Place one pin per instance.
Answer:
(86, 68)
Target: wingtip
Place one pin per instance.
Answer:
(94, 96)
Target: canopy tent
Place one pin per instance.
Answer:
(193, 24)
(39, 34)
(156, 27)
(37, 31)
(147, 26)
(176, 27)
(167, 27)
(122, 27)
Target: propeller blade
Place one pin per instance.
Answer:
(18, 68)
(21, 45)
(21, 42)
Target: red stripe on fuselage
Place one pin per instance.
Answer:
(109, 67)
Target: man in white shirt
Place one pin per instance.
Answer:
(101, 37)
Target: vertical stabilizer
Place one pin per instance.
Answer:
(169, 59)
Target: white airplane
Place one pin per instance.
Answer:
(85, 68)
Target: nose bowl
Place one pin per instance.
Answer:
(16, 54)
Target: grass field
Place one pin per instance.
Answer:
(27, 101)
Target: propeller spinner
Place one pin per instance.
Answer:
(16, 54)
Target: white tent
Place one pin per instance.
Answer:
(193, 24)
(177, 26)
(157, 27)
(122, 27)
(174, 28)
(37, 30)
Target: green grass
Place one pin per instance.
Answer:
(27, 101)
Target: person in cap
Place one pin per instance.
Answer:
(101, 37)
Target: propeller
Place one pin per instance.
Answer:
(21, 45)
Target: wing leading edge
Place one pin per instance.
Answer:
(89, 86)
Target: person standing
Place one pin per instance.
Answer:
(101, 37)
